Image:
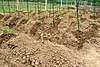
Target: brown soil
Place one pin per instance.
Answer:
(43, 45)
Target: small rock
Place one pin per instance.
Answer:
(54, 58)
(33, 60)
(37, 63)
(58, 62)
(55, 51)
(23, 61)
(28, 56)
(24, 57)
(33, 63)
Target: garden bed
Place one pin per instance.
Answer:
(40, 44)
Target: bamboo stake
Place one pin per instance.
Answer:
(17, 1)
(45, 4)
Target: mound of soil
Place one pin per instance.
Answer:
(45, 45)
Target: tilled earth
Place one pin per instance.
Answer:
(36, 44)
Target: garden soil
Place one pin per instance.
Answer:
(40, 44)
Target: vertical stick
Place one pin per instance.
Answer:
(38, 5)
(50, 5)
(94, 13)
(8, 6)
(35, 6)
(28, 8)
(3, 7)
(17, 5)
(68, 3)
(20, 4)
(94, 10)
(14, 6)
(45, 4)
(59, 7)
(53, 13)
(77, 5)
(61, 3)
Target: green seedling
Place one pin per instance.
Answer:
(82, 12)
(39, 22)
(7, 30)
(74, 14)
(49, 12)
(51, 21)
(60, 17)
(40, 17)
(94, 23)
(94, 14)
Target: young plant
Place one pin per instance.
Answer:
(49, 12)
(7, 30)
(50, 21)
(94, 20)
(94, 23)
(39, 22)
(74, 14)
(82, 12)
(61, 17)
